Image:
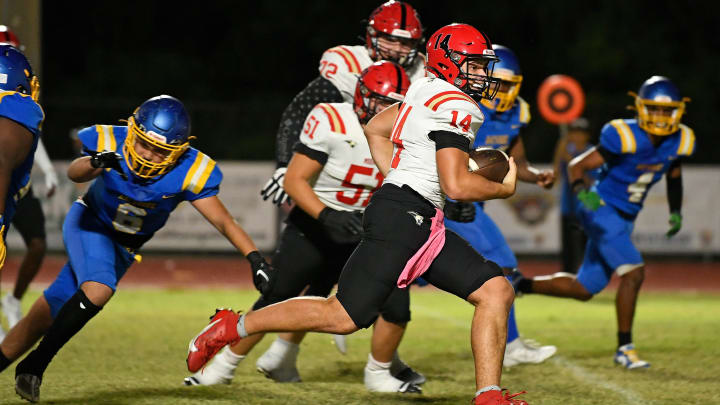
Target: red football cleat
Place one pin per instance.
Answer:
(495, 397)
(221, 331)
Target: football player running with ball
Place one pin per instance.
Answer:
(422, 147)
(141, 172)
(634, 155)
(504, 115)
(393, 33)
(331, 178)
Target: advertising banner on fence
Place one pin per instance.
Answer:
(530, 220)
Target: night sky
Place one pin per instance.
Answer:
(236, 65)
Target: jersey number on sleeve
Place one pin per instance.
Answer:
(128, 218)
(310, 126)
(403, 113)
(637, 190)
(327, 69)
(347, 182)
(464, 124)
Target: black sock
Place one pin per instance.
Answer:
(76, 312)
(624, 338)
(4, 362)
(525, 285)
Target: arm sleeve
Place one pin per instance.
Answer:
(674, 189)
(292, 119)
(447, 139)
(43, 160)
(460, 117)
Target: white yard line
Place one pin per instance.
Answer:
(580, 373)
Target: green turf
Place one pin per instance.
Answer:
(134, 353)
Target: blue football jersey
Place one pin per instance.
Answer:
(137, 208)
(500, 129)
(22, 109)
(638, 163)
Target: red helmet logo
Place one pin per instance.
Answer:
(380, 85)
(398, 24)
(452, 49)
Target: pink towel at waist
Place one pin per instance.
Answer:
(421, 260)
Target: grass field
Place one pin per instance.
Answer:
(134, 353)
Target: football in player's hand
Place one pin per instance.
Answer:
(489, 163)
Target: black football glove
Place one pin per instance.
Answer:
(263, 273)
(106, 160)
(459, 211)
(342, 226)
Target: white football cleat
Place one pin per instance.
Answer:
(220, 371)
(2, 333)
(520, 351)
(383, 381)
(279, 362)
(627, 357)
(402, 371)
(340, 343)
(11, 309)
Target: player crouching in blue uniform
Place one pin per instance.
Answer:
(635, 154)
(142, 171)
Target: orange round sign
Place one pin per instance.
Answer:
(560, 99)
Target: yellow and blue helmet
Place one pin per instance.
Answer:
(161, 124)
(659, 106)
(507, 69)
(16, 74)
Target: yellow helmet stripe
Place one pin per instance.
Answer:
(687, 140)
(627, 139)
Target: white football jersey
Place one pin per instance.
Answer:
(349, 177)
(342, 66)
(430, 105)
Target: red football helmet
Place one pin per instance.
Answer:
(8, 37)
(395, 21)
(380, 85)
(448, 50)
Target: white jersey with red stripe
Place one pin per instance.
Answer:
(342, 66)
(349, 177)
(430, 105)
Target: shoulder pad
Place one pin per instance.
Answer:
(334, 118)
(22, 109)
(617, 137)
(350, 61)
(196, 178)
(524, 108)
(687, 141)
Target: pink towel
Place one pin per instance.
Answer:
(421, 260)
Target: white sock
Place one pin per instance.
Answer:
(374, 365)
(282, 347)
(231, 358)
(241, 327)
(488, 388)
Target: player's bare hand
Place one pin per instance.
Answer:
(510, 180)
(546, 178)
